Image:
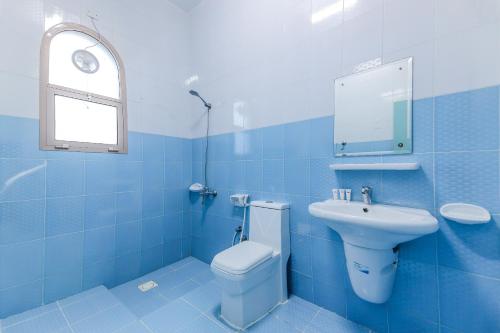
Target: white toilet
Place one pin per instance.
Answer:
(252, 274)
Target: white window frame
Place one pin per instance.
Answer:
(49, 91)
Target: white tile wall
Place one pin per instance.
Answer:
(21, 27)
(152, 37)
(258, 62)
(467, 59)
(19, 95)
(407, 23)
(267, 63)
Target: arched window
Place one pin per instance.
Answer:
(82, 92)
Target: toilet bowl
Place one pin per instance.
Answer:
(250, 289)
(252, 274)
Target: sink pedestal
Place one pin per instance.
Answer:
(371, 271)
(371, 234)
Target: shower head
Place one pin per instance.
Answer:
(195, 93)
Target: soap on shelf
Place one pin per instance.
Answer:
(465, 213)
(342, 194)
(348, 193)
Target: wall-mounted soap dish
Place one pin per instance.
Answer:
(465, 213)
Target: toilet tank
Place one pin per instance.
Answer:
(269, 225)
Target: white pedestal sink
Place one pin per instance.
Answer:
(371, 234)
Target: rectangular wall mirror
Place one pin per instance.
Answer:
(373, 111)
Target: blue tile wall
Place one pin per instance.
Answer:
(72, 221)
(448, 281)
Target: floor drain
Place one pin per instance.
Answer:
(146, 286)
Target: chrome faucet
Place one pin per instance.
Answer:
(366, 191)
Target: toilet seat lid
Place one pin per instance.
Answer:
(241, 258)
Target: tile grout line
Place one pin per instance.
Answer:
(118, 303)
(27, 319)
(44, 233)
(145, 325)
(141, 216)
(71, 233)
(434, 180)
(219, 324)
(163, 187)
(202, 313)
(470, 273)
(190, 304)
(64, 316)
(83, 222)
(86, 293)
(98, 312)
(312, 319)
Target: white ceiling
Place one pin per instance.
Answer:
(187, 5)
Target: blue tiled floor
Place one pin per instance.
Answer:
(187, 299)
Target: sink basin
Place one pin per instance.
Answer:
(371, 234)
(374, 226)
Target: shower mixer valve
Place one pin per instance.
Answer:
(207, 193)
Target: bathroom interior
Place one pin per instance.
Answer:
(312, 166)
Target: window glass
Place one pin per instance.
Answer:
(84, 121)
(78, 61)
